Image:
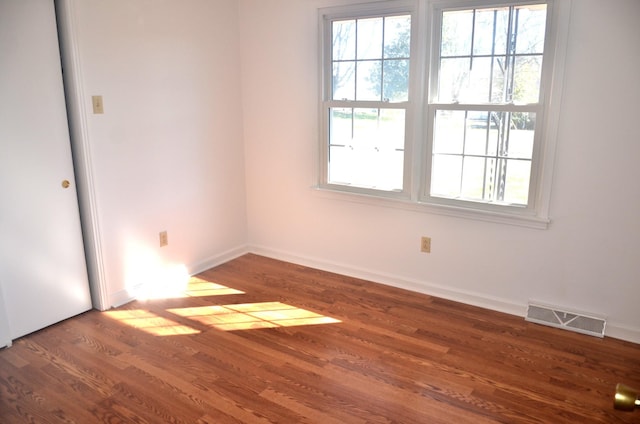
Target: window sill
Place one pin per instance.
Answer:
(527, 221)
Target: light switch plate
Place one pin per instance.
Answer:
(98, 106)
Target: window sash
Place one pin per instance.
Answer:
(374, 10)
(494, 204)
(504, 105)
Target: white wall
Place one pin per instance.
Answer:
(588, 259)
(167, 154)
(184, 82)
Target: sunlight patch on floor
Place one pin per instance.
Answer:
(229, 317)
(197, 287)
(181, 287)
(150, 322)
(247, 316)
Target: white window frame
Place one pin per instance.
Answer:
(386, 8)
(417, 166)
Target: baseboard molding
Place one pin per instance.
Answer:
(461, 296)
(613, 329)
(622, 332)
(124, 296)
(217, 259)
(119, 298)
(470, 298)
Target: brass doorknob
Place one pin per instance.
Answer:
(65, 183)
(626, 398)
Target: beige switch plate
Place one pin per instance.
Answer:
(98, 106)
(164, 239)
(425, 244)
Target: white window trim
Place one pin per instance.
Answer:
(413, 196)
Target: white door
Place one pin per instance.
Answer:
(5, 335)
(43, 273)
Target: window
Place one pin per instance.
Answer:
(366, 104)
(477, 140)
(486, 98)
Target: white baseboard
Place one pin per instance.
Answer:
(461, 296)
(493, 303)
(119, 298)
(622, 332)
(217, 259)
(124, 296)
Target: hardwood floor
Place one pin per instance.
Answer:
(263, 341)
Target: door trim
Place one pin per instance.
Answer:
(81, 149)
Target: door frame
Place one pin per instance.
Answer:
(81, 147)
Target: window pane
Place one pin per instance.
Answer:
(390, 148)
(340, 150)
(340, 126)
(480, 81)
(392, 129)
(392, 178)
(367, 148)
(527, 74)
(446, 175)
(457, 29)
(397, 36)
(473, 178)
(340, 158)
(496, 133)
(365, 125)
(490, 36)
(516, 189)
(396, 80)
(453, 79)
(369, 39)
(368, 83)
(477, 141)
(344, 40)
(344, 80)
(531, 23)
(449, 132)
(498, 86)
(521, 134)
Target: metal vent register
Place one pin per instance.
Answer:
(592, 325)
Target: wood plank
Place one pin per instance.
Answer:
(393, 357)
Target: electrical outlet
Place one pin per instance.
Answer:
(164, 239)
(425, 244)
